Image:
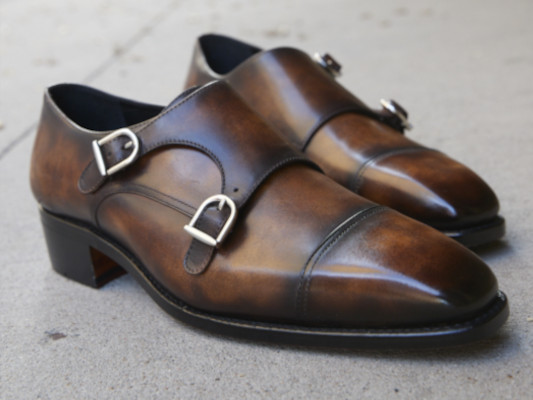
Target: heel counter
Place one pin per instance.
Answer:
(60, 152)
(39, 153)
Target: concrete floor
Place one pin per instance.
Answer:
(463, 69)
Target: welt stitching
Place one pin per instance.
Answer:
(369, 212)
(282, 327)
(495, 307)
(290, 328)
(356, 181)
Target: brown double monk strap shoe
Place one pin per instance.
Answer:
(361, 148)
(228, 228)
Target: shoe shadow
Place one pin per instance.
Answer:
(492, 252)
(503, 344)
(482, 350)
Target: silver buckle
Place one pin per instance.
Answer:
(203, 237)
(134, 142)
(396, 109)
(328, 63)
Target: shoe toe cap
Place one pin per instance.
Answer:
(391, 271)
(430, 187)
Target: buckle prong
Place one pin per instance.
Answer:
(203, 237)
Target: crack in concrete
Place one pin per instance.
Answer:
(136, 38)
(18, 139)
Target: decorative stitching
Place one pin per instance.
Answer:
(258, 182)
(157, 192)
(331, 239)
(183, 101)
(147, 150)
(130, 189)
(334, 231)
(356, 180)
(285, 161)
(196, 146)
(100, 181)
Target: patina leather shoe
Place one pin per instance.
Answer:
(229, 228)
(362, 149)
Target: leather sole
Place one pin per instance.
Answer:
(81, 253)
(477, 235)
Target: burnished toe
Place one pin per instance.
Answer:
(431, 187)
(419, 277)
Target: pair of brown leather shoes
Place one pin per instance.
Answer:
(211, 205)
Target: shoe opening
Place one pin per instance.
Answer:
(99, 111)
(224, 54)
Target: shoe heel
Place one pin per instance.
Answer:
(73, 254)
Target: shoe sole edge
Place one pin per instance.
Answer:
(480, 234)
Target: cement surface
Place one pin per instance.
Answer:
(463, 69)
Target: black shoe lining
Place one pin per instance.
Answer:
(99, 111)
(223, 54)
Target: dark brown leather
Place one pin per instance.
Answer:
(303, 249)
(360, 148)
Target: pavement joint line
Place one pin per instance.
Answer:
(136, 38)
(20, 138)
